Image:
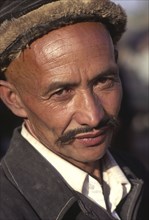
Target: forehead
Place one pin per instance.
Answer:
(89, 37)
(73, 36)
(76, 34)
(76, 31)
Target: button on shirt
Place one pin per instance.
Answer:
(82, 182)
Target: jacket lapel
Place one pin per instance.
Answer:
(128, 207)
(36, 179)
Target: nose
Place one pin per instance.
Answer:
(89, 110)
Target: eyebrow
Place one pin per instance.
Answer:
(59, 84)
(112, 71)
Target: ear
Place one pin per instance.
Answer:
(10, 97)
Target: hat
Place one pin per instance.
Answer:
(23, 21)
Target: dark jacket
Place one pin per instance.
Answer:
(31, 189)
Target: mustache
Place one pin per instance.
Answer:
(111, 121)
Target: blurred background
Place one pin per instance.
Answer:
(133, 134)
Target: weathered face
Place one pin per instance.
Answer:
(71, 88)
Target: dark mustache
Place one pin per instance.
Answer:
(111, 122)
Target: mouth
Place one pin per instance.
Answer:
(88, 135)
(93, 138)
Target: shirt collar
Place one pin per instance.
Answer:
(68, 171)
(112, 174)
(114, 177)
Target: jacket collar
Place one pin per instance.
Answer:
(39, 179)
(128, 207)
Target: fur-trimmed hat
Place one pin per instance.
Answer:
(23, 21)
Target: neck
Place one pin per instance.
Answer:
(92, 168)
(29, 128)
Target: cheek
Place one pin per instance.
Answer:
(56, 117)
(112, 101)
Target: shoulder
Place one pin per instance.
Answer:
(134, 170)
(11, 200)
(130, 164)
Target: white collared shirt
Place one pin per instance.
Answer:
(82, 182)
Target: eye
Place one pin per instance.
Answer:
(62, 91)
(62, 94)
(105, 82)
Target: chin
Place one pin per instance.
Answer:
(92, 157)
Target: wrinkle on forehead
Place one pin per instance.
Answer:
(45, 53)
(60, 42)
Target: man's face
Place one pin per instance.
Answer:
(70, 88)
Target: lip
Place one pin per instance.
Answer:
(89, 135)
(93, 138)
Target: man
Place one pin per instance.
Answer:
(59, 73)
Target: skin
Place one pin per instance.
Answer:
(67, 80)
